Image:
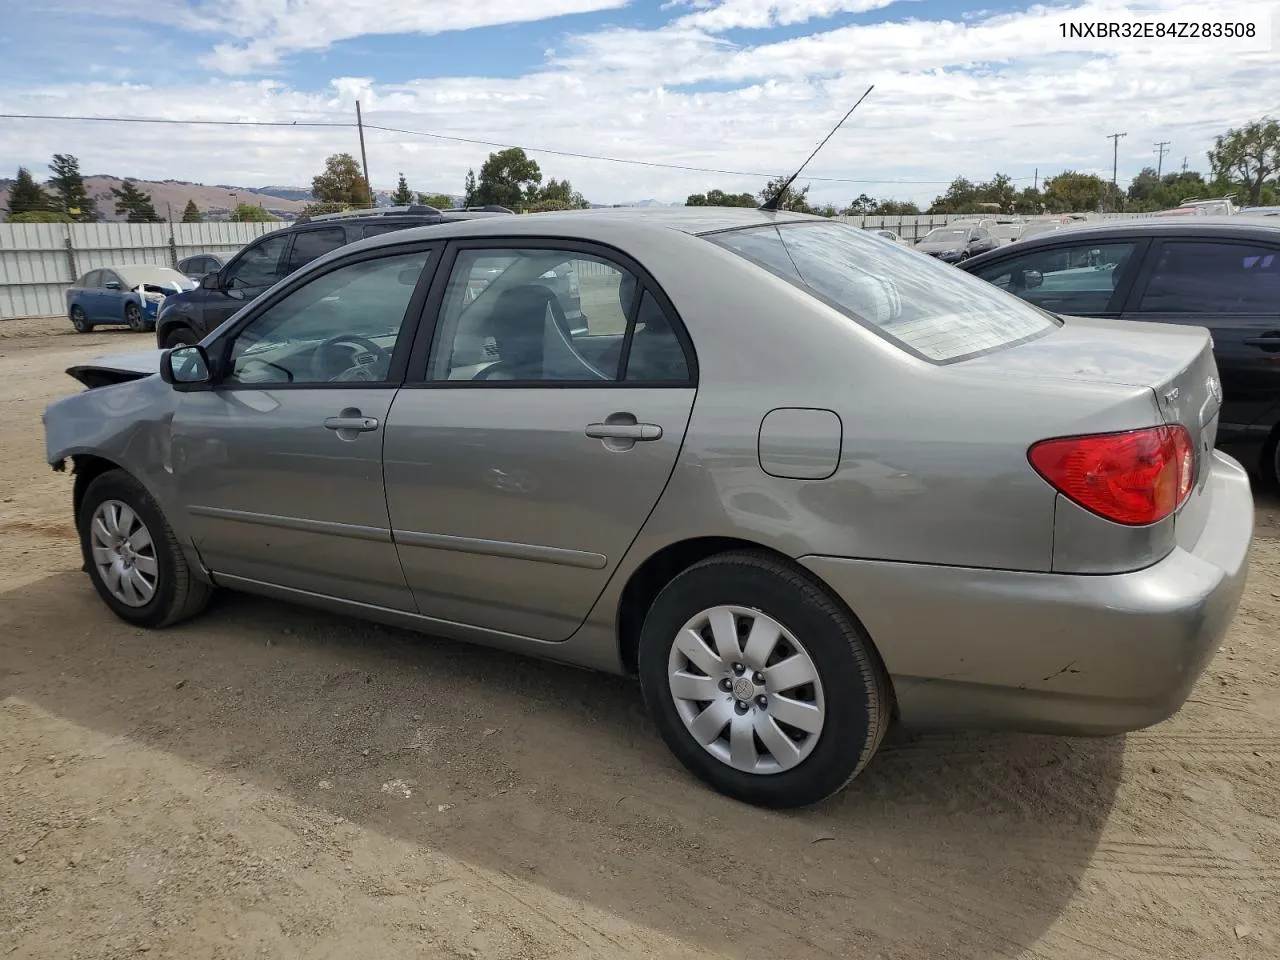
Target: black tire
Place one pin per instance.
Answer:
(1270, 466)
(180, 337)
(80, 321)
(858, 696)
(133, 317)
(178, 593)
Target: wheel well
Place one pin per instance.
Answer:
(86, 469)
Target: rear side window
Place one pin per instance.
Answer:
(1204, 277)
(926, 307)
(310, 244)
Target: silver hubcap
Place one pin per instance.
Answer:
(124, 553)
(746, 689)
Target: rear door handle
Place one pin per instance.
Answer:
(624, 431)
(1270, 340)
(358, 424)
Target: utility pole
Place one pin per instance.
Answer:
(1160, 147)
(1115, 163)
(364, 160)
(1035, 182)
(1184, 164)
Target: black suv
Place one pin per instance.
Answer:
(188, 317)
(1222, 273)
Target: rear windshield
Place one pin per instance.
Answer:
(929, 309)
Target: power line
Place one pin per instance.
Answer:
(689, 168)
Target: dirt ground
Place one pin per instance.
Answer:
(268, 781)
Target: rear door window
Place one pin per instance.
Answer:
(1208, 277)
(926, 307)
(1079, 280)
(377, 229)
(310, 244)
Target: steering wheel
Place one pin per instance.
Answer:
(358, 370)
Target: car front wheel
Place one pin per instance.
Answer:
(761, 684)
(132, 555)
(133, 317)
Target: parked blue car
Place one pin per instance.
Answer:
(130, 294)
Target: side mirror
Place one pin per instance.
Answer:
(210, 281)
(112, 284)
(185, 366)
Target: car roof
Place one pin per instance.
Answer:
(601, 224)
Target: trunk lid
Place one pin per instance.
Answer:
(1173, 361)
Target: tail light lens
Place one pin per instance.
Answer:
(1136, 478)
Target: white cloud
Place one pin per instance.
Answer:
(266, 30)
(758, 14)
(1001, 93)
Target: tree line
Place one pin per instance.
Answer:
(64, 199)
(1243, 162)
(508, 178)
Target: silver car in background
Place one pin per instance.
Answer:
(800, 481)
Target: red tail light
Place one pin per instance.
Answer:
(1135, 478)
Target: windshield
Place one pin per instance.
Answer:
(932, 310)
(945, 235)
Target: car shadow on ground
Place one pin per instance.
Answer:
(950, 844)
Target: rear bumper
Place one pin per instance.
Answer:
(1055, 653)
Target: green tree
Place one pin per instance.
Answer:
(191, 213)
(1072, 192)
(861, 205)
(440, 201)
(68, 184)
(1248, 156)
(792, 199)
(719, 198)
(26, 196)
(508, 178)
(469, 189)
(341, 182)
(134, 205)
(1029, 201)
(896, 208)
(557, 195)
(251, 213)
(403, 195)
(40, 216)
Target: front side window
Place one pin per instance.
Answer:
(1077, 280)
(309, 245)
(258, 266)
(532, 315)
(1223, 278)
(935, 311)
(340, 327)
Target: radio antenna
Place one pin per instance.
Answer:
(772, 202)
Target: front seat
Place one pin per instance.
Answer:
(518, 325)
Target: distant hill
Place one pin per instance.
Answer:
(172, 195)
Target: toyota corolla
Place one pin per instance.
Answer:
(802, 482)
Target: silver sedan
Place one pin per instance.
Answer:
(802, 482)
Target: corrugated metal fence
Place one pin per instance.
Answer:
(38, 261)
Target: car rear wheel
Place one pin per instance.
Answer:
(1271, 461)
(133, 317)
(133, 557)
(760, 683)
(80, 321)
(180, 337)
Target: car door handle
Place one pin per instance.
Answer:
(1271, 340)
(624, 431)
(359, 424)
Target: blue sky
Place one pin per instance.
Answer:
(961, 88)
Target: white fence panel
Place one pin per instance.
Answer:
(38, 261)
